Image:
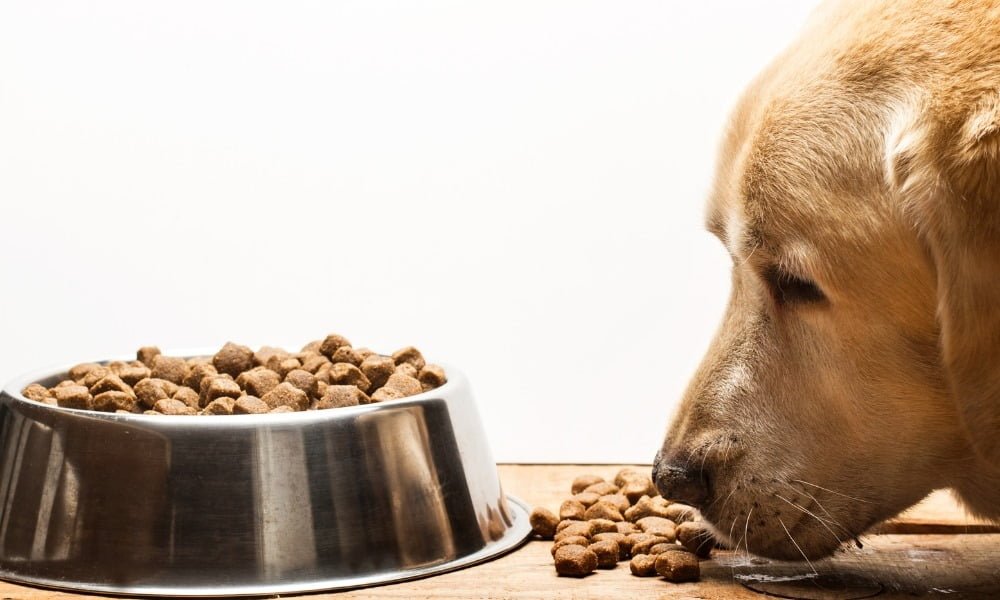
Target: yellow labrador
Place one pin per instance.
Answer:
(858, 365)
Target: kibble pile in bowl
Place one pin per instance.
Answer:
(328, 373)
(605, 522)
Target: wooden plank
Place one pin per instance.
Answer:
(892, 566)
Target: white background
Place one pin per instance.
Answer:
(514, 187)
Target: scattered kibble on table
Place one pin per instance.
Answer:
(606, 522)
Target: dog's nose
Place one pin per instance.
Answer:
(680, 481)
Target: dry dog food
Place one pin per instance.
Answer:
(605, 522)
(327, 373)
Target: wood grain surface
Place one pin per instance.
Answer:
(934, 550)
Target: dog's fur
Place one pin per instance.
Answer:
(866, 160)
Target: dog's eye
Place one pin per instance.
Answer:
(790, 289)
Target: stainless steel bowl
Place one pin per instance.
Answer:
(248, 504)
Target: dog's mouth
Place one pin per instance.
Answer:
(786, 520)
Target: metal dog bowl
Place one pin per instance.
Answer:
(248, 504)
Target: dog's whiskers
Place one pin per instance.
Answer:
(831, 491)
(811, 514)
(796, 544)
(832, 519)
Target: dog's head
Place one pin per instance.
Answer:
(858, 365)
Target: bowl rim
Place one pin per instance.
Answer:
(12, 389)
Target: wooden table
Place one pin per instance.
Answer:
(933, 550)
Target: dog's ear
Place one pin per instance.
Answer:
(944, 169)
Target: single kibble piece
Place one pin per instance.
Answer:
(681, 513)
(377, 370)
(220, 406)
(146, 354)
(607, 552)
(406, 369)
(197, 372)
(250, 405)
(282, 365)
(365, 353)
(282, 409)
(696, 537)
(618, 539)
(313, 363)
(216, 387)
(346, 354)
(38, 393)
(171, 368)
(408, 385)
(644, 545)
(564, 523)
(586, 498)
(583, 482)
(150, 391)
(173, 407)
(643, 565)
(110, 383)
(617, 500)
(312, 346)
(678, 566)
(603, 510)
(575, 528)
(657, 526)
(187, 396)
(602, 488)
(332, 343)
(626, 528)
(409, 355)
(233, 359)
(339, 396)
(637, 488)
(387, 393)
(264, 354)
(258, 381)
(94, 375)
(348, 374)
(543, 523)
(572, 540)
(664, 547)
(575, 561)
(73, 396)
(78, 372)
(132, 374)
(304, 380)
(431, 376)
(625, 475)
(646, 507)
(286, 394)
(602, 526)
(571, 509)
(113, 400)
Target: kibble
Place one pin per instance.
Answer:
(543, 523)
(571, 540)
(678, 566)
(286, 394)
(338, 396)
(643, 565)
(171, 368)
(603, 510)
(571, 509)
(575, 561)
(680, 513)
(250, 405)
(627, 515)
(696, 537)
(583, 482)
(607, 552)
(325, 374)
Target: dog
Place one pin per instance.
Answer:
(857, 367)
